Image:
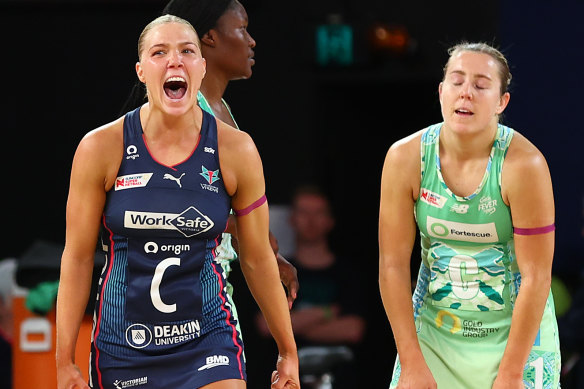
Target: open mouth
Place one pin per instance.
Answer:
(464, 112)
(175, 88)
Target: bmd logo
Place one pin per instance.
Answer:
(214, 361)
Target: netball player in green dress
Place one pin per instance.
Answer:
(481, 196)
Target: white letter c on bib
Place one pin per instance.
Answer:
(155, 286)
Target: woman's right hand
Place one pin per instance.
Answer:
(70, 377)
(418, 377)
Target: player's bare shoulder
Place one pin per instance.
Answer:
(234, 143)
(523, 154)
(405, 152)
(106, 138)
(238, 155)
(402, 166)
(524, 169)
(101, 151)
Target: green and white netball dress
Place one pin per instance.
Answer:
(225, 251)
(469, 280)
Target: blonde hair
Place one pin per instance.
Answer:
(164, 19)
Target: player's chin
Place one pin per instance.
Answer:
(243, 76)
(178, 106)
(248, 71)
(178, 110)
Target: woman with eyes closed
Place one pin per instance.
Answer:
(160, 182)
(481, 196)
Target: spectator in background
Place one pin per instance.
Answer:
(326, 311)
(7, 285)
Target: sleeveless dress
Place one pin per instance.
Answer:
(226, 254)
(163, 318)
(469, 279)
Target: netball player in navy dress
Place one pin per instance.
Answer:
(160, 182)
(227, 47)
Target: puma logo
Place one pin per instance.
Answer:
(168, 176)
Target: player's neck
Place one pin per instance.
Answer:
(213, 87)
(464, 147)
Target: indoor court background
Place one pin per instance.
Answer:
(68, 67)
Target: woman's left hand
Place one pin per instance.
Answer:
(286, 374)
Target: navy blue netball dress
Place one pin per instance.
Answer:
(162, 317)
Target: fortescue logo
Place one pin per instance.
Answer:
(481, 233)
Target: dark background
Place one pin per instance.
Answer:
(69, 65)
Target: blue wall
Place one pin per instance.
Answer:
(543, 41)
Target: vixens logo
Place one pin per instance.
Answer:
(210, 175)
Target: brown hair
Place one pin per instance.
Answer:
(309, 189)
(479, 47)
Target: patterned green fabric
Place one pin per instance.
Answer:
(204, 104)
(469, 279)
(225, 251)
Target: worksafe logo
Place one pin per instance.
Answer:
(190, 222)
(481, 233)
(210, 175)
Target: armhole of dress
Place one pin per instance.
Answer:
(215, 137)
(508, 136)
(422, 155)
(203, 103)
(126, 129)
(230, 113)
(422, 159)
